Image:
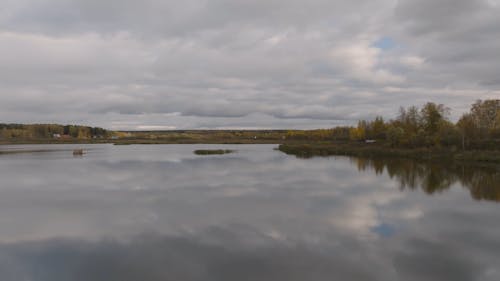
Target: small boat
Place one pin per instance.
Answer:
(78, 152)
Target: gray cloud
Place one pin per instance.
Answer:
(213, 64)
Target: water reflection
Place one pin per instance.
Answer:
(163, 213)
(155, 258)
(483, 182)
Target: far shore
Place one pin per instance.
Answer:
(301, 149)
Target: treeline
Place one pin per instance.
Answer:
(341, 133)
(236, 136)
(50, 131)
(429, 126)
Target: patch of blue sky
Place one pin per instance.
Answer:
(385, 43)
(384, 230)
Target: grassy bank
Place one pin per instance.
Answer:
(376, 150)
(212, 151)
(193, 141)
(175, 137)
(5, 152)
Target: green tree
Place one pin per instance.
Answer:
(432, 115)
(448, 134)
(358, 133)
(395, 135)
(378, 128)
(485, 115)
(468, 129)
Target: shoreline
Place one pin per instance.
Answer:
(302, 149)
(373, 151)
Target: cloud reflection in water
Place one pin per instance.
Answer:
(162, 213)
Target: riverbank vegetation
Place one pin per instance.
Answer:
(421, 133)
(212, 151)
(384, 150)
(430, 126)
(50, 133)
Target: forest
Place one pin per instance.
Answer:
(13, 132)
(429, 126)
(425, 133)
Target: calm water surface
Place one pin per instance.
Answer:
(159, 212)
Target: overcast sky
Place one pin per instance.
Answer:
(163, 64)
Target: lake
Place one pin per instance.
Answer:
(160, 212)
